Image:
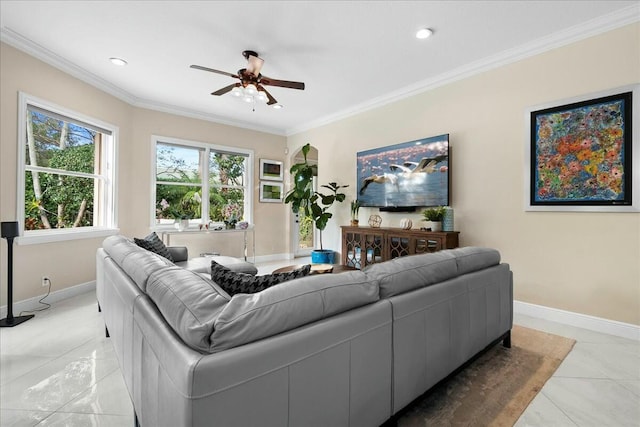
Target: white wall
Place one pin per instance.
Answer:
(581, 262)
(73, 262)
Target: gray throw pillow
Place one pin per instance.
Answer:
(241, 283)
(153, 243)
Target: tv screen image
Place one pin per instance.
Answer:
(410, 174)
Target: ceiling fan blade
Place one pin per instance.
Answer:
(282, 83)
(225, 89)
(211, 70)
(254, 65)
(272, 100)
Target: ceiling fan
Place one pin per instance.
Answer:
(251, 85)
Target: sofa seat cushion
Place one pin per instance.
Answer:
(203, 264)
(405, 274)
(250, 317)
(241, 283)
(189, 302)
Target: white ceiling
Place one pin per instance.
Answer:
(352, 55)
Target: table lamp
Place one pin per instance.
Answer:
(10, 230)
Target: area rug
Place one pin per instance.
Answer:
(496, 388)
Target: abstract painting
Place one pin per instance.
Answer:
(581, 153)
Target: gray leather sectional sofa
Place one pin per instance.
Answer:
(348, 349)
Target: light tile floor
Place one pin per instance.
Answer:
(59, 369)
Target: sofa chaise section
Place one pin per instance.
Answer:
(333, 370)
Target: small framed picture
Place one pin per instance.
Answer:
(271, 192)
(271, 169)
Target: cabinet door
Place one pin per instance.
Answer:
(362, 248)
(428, 244)
(399, 245)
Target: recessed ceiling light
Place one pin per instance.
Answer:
(118, 61)
(278, 106)
(424, 33)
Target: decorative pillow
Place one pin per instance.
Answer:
(153, 243)
(243, 283)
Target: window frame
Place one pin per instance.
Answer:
(208, 148)
(108, 149)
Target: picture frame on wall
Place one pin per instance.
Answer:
(271, 170)
(271, 192)
(580, 154)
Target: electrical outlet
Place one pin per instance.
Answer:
(45, 281)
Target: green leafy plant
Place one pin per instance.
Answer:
(434, 214)
(312, 203)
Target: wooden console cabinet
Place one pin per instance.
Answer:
(362, 246)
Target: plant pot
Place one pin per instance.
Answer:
(434, 225)
(354, 222)
(322, 256)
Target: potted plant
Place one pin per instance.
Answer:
(313, 203)
(434, 217)
(355, 208)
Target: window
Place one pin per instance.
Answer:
(66, 180)
(186, 173)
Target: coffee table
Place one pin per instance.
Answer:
(318, 269)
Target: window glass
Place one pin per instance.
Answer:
(226, 187)
(188, 173)
(65, 181)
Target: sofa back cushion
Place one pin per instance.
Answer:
(250, 317)
(189, 302)
(405, 274)
(136, 262)
(471, 258)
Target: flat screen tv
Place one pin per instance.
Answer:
(405, 176)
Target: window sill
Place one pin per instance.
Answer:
(36, 237)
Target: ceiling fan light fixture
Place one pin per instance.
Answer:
(262, 96)
(236, 92)
(251, 90)
(424, 33)
(278, 106)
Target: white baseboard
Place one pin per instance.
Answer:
(584, 321)
(55, 296)
(272, 257)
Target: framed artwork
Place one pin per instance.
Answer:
(271, 192)
(271, 169)
(580, 155)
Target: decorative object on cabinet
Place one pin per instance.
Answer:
(406, 224)
(447, 221)
(355, 208)
(433, 217)
(271, 170)
(364, 246)
(375, 221)
(580, 154)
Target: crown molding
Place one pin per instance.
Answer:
(31, 48)
(570, 35)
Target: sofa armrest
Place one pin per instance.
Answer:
(179, 253)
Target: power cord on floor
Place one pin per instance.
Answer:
(41, 301)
